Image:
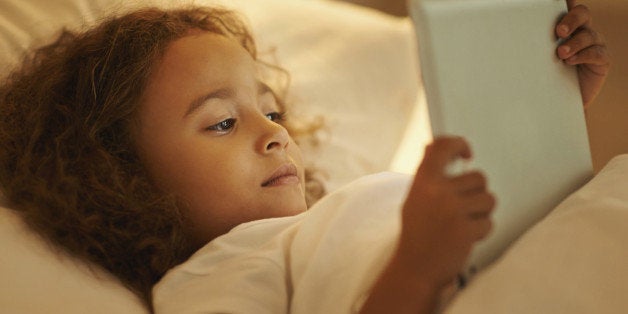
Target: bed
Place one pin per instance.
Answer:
(572, 261)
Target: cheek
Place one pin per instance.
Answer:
(190, 170)
(210, 173)
(218, 197)
(176, 164)
(297, 157)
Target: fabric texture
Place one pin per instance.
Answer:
(356, 68)
(321, 261)
(573, 261)
(36, 278)
(350, 65)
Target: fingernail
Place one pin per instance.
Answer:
(563, 29)
(566, 49)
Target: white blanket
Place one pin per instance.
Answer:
(325, 260)
(322, 261)
(573, 261)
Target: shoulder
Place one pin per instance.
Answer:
(242, 271)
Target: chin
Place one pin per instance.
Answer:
(292, 207)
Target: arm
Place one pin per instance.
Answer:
(442, 218)
(584, 48)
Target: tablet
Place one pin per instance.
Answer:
(491, 75)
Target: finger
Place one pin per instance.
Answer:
(480, 205)
(577, 17)
(479, 229)
(470, 182)
(595, 55)
(441, 152)
(579, 41)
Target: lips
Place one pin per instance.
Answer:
(286, 174)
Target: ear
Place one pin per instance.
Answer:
(571, 4)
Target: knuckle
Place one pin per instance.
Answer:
(434, 191)
(443, 143)
(582, 9)
(489, 226)
(491, 197)
(492, 201)
(478, 178)
(488, 223)
(429, 148)
(485, 227)
(439, 143)
(481, 178)
(435, 146)
(600, 37)
(588, 35)
(597, 52)
(579, 15)
(487, 203)
(594, 36)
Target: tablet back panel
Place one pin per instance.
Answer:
(492, 76)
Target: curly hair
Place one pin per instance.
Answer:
(68, 162)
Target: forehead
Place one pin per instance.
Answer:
(204, 55)
(194, 66)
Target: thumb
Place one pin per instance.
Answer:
(441, 152)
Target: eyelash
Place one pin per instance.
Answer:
(222, 126)
(226, 125)
(276, 116)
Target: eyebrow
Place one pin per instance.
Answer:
(222, 93)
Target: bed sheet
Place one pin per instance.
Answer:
(573, 261)
(353, 67)
(322, 261)
(370, 84)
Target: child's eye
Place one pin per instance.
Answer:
(222, 126)
(276, 116)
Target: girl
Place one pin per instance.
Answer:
(137, 142)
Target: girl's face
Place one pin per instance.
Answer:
(209, 132)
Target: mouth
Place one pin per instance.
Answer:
(286, 174)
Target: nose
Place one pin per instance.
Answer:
(273, 137)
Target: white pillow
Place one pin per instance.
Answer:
(36, 280)
(355, 67)
(573, 261)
